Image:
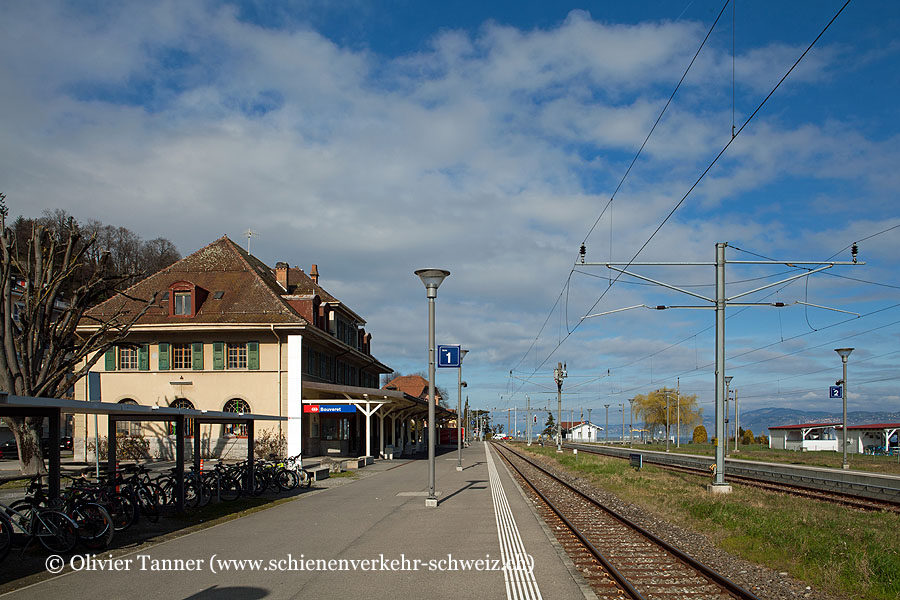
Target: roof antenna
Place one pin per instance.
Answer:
(248, 234)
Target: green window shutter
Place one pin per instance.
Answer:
(197, 355)
(218, 355)
(144, 357)
(163, 356)
(111, 359)
(253, 356)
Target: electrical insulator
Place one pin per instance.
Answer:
(853, 251)
(582, 253)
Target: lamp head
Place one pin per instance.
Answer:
(843, 353)
(432, 279)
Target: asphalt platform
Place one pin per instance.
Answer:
(372, 538)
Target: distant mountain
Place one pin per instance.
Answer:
(759, 420)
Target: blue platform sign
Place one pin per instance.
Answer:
(448, 356)
(836, 391)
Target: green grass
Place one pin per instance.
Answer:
(343, 474)
(835, 549)
(862, 462)
(14, 483)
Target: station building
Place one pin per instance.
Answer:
(875, 438)
(805, 437)
(228, 333)
(581, 431)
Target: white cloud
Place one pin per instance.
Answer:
(491, 152)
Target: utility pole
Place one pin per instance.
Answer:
(529, 430)
(737, 422)
(678, 412)
(590, 426)
(607, 423)
(622, 404)
(631, 422)
(559, 373)
(719, 303)
(719, 442)
(667, 419)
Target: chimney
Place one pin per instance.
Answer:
(281, 274)
(314, 274)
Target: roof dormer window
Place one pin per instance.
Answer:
(186, 299)
(182, 304)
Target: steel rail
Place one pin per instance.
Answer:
(714, 576)
(620, 579)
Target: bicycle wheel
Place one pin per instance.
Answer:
(192, 494)
(149, 507)
(122, 510)
(158, 494)
(6, 535)
(55, 531)
(305, 478)
(286, 480)
(166, 487)
(95, 525)
(229, 488)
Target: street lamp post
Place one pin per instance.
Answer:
(844, 353)
(460, 384)
(559, 373)
(432, 279)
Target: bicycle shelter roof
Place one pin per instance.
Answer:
(12, 405)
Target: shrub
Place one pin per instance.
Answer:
(270, 443)
(128, 447)
(699, 434)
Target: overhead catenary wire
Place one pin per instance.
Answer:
(625, 176)
(702, 175)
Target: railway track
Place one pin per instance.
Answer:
(617, 558)
(843, 498)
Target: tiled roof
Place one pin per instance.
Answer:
(302, 284)
(805, 426)
(838, 426)
(250, 292)
(414, 385)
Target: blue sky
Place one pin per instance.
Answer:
(375, 138)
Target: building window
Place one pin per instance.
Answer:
(237, 356)
(236, 405)
(132, 428)
(182, 303)
(181, 356)
(128, 358)
(336, 429)
(188, 423)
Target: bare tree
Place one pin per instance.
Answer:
(44, 294)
